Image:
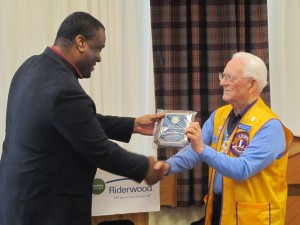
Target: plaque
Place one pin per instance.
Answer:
(170, 131)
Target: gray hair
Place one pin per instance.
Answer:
(254, 67)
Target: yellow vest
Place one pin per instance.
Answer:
(261, 199)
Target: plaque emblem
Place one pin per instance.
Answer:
(175, 119)
(170, 131)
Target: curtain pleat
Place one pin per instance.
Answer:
(192, 42)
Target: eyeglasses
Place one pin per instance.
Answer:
(230, 78)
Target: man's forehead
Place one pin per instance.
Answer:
(99, 37)
(236, 65)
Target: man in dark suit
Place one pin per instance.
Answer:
(55, 140)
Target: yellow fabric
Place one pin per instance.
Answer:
(261, 199)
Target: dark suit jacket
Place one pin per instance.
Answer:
(54, 142)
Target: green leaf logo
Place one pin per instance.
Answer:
(98, 186)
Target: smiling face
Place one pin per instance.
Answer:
(90, 50)
(236, 91)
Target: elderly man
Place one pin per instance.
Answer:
(245, 144)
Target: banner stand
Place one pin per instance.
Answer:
(113, 194)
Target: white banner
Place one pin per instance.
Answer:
(113, 194)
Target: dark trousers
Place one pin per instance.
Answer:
(216, 209)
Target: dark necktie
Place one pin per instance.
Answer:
(233, 121)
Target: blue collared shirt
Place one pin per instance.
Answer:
(267, 145)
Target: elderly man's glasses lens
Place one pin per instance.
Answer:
(229, 77)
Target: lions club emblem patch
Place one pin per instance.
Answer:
(239, 143)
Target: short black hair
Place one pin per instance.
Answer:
(78, 23)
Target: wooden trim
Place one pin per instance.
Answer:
(168, 191)
(293, 189)
(293, 180)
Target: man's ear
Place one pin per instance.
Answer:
(80, 42)
(253, 84)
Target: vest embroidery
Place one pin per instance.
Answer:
(239, 143)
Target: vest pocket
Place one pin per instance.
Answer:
(253, 213)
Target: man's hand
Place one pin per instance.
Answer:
(162, 166)
(194, 133)
(145, 124)
(153, 175)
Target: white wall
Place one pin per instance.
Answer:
(284, 45)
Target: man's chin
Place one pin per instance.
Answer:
(226, 98)
(87, 75)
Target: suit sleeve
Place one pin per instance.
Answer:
(73, 115)
(117, 128)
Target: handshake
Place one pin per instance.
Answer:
(144, 125)
(156, 170)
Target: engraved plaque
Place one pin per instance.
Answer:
(170, 131)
